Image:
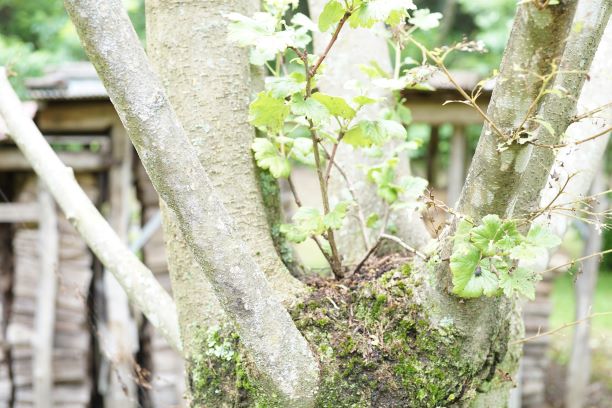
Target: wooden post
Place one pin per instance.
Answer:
(121, 342)
(579, 367)
(42, 343)
(432, 155)
(456, 166)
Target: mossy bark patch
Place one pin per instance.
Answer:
(376, 348)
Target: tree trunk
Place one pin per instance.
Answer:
(283, 363)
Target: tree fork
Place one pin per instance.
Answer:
(278, 351)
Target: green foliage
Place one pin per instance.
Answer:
(331, 14)
(308, 222)
(268, 113)
(485, 258)
(268, 158)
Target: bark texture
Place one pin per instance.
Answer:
(536, 43)
(285, 364)
(137, 281)
(208, 81)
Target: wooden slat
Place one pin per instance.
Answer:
(13, 160)
(45, 304)
(19, 212)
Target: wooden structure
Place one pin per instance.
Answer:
(69, 337)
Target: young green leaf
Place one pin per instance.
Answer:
(487, 233)
(335, 217)
(373, 220)
(336, 105)
(268, 112)
(268, 158)
(281, 87)
(520, 281)
(310, 108)
(306, 222)
(331, 14)
(540, 236)
(463, 263)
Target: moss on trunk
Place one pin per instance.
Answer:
(376, 345)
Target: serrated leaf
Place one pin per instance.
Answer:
(404, 114)
(336, 105)
(462, 234)
(487, 233)
(268, 158)
(310, 108)
(306, 222)
(293, 233)
(527, 252)
(281, 87)
(331, 14)
(521, 281)
(425, 20)
(268, 112)
(391, 12)
(368, 132)
(301, 150)
(335, 217)
(540, 236)
(363, 100)
(304, 21)
(463, 263)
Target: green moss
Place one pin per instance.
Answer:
(270, 193)
(376, 346)
(381, 349)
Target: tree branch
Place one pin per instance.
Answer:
(137, 281)
(277, 349)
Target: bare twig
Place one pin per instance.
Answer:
(404, 245)
(335, 35)
(562, 327)
(574, 261)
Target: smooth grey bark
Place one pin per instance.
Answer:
(208, 82)
(537, 40)
(591, 21)
(277, 349)
(137, 281)
(342, 65)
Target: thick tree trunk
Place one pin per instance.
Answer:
(208, 82)
(283, 361)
